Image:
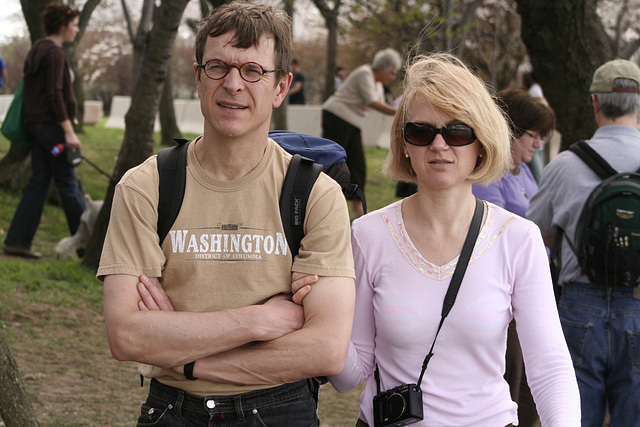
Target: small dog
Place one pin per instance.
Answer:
(69, 245)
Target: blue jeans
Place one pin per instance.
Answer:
(602, 329)
(286, 405)
(44, 167)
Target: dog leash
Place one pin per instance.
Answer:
(97, 168)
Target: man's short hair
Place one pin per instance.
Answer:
(447, 83)
(616, 85)
(249, 22)
(386, 60)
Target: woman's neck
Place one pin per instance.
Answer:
(441, 211)
(438, 226)
(56, 38)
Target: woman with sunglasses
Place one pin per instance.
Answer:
(448, 133)
(529, 121)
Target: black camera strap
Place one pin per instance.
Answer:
(454, 286)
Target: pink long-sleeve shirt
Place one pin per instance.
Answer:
(398, 307)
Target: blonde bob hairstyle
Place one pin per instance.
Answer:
(447, 83)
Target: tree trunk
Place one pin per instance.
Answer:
(15, 407)
(32, 9)
(332, 53)
(566, 42)
(141, 38)
(331, 21)
(168, 123)
(280, 118)
(15, 168)
(78, 87)
(71, 52)
(139, 120)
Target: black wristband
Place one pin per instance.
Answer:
(188, 371)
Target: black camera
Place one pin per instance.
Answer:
(399, 406)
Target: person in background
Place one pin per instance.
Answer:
(3, 75)
(296, 92)
(49, 108)
(341, 74)
(343, 113)
(531, 85)
(448, 134)
(539, 158)
(601, 323)
(529, 122)
(208, 313)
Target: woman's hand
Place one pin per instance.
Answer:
(70, 138)
(152, 295)
(301, 285)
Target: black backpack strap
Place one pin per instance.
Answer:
(172, 170)
(555, 263)
(299, 180)
(593, 159)
(353, 191)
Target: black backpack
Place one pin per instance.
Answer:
(311, 155)
(607, 241)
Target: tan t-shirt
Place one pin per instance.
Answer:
(227, 248)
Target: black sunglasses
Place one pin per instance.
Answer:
(422, 134)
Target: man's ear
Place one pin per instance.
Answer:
(196, 72)
(594, 102)
(282, 88)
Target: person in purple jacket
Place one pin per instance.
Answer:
(530, 120)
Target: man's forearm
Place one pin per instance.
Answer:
(169, 338)
(319, 348)
(284, 360)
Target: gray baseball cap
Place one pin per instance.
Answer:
(609, 71)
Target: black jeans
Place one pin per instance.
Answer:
(350, 138)
(45, 167)
(286, 405)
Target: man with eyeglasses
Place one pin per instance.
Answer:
(601, 321)
(208, 312)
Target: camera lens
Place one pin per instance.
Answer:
(396, 406)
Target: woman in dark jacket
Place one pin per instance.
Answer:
(49, 108)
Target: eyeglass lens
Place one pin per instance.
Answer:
(249, 71)
(422, 134)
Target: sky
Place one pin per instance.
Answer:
(11, 20)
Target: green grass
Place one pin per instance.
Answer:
(51, 311)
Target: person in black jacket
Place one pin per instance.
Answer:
(49, 108)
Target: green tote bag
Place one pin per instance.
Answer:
(13, 124)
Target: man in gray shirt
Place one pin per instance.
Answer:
(601, 324)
